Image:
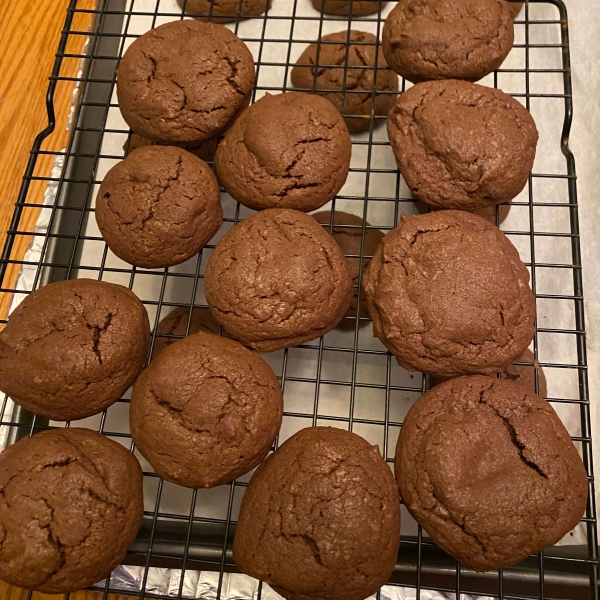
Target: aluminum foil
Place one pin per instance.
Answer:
(233, 586)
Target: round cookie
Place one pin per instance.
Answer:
(320, 518)
(523, 375)
(184, 82)
(291, 150)
(176, 322)
(277, 279)
(224, 11)
(70, 506)
(349, 239)
(489, 470)
(206, 410)
(158, 207)
(359, 8)
(357, 79)
(462, 145)
(73, 348)
(447, 39)
(449, 295)
(205, 151)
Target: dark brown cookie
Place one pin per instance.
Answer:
(176, 322)
(523, 375)
(207, 410)
(354, 72)
(346, 8)
(206, 150)
(489, 470)
(277, 279)
(320, 519)
(287, 151)
(462, 145)
(349, 239)
(449, 295)
(70, 505)
(224, 11)
(447, 39)
(159, 207)
(515, 8)
(184, 81)
(73, 348)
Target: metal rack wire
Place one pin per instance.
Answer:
(346, 378)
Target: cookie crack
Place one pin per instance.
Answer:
(461, 525)
(56, 543)
(164, 188)
(232, 79)
(514, 436)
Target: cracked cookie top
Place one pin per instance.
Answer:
(70, 505)
(286, 151)
(320, 519)
(447, 39)
(278, 279)
(489, 470)
(184, 81)
(224, 11)
(345, 8)
(449, 295)
(73, 348)
(159, 206)
(206, 410)
(336, 67)
(462, 145)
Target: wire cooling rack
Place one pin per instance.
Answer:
(347, 378)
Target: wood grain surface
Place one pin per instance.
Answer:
(29, 36)
(8, 592)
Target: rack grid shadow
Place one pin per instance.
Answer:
(347, 378)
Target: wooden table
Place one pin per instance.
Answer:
(29, 36)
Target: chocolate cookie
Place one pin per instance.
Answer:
(277, 279)
(320, 518)
(449, 295)
(346, 8)
(348, 234)
(176, 322)
(184, 81)
(462, 145)
(70, 505)
(521, 374)
(206, 150)
(207, 410)
(159, 207)
(354, 72)
(287, 151)
(447, 39)
(73, 348)
(224, 11)
(489, 470)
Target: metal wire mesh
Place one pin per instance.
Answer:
(347, 378)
